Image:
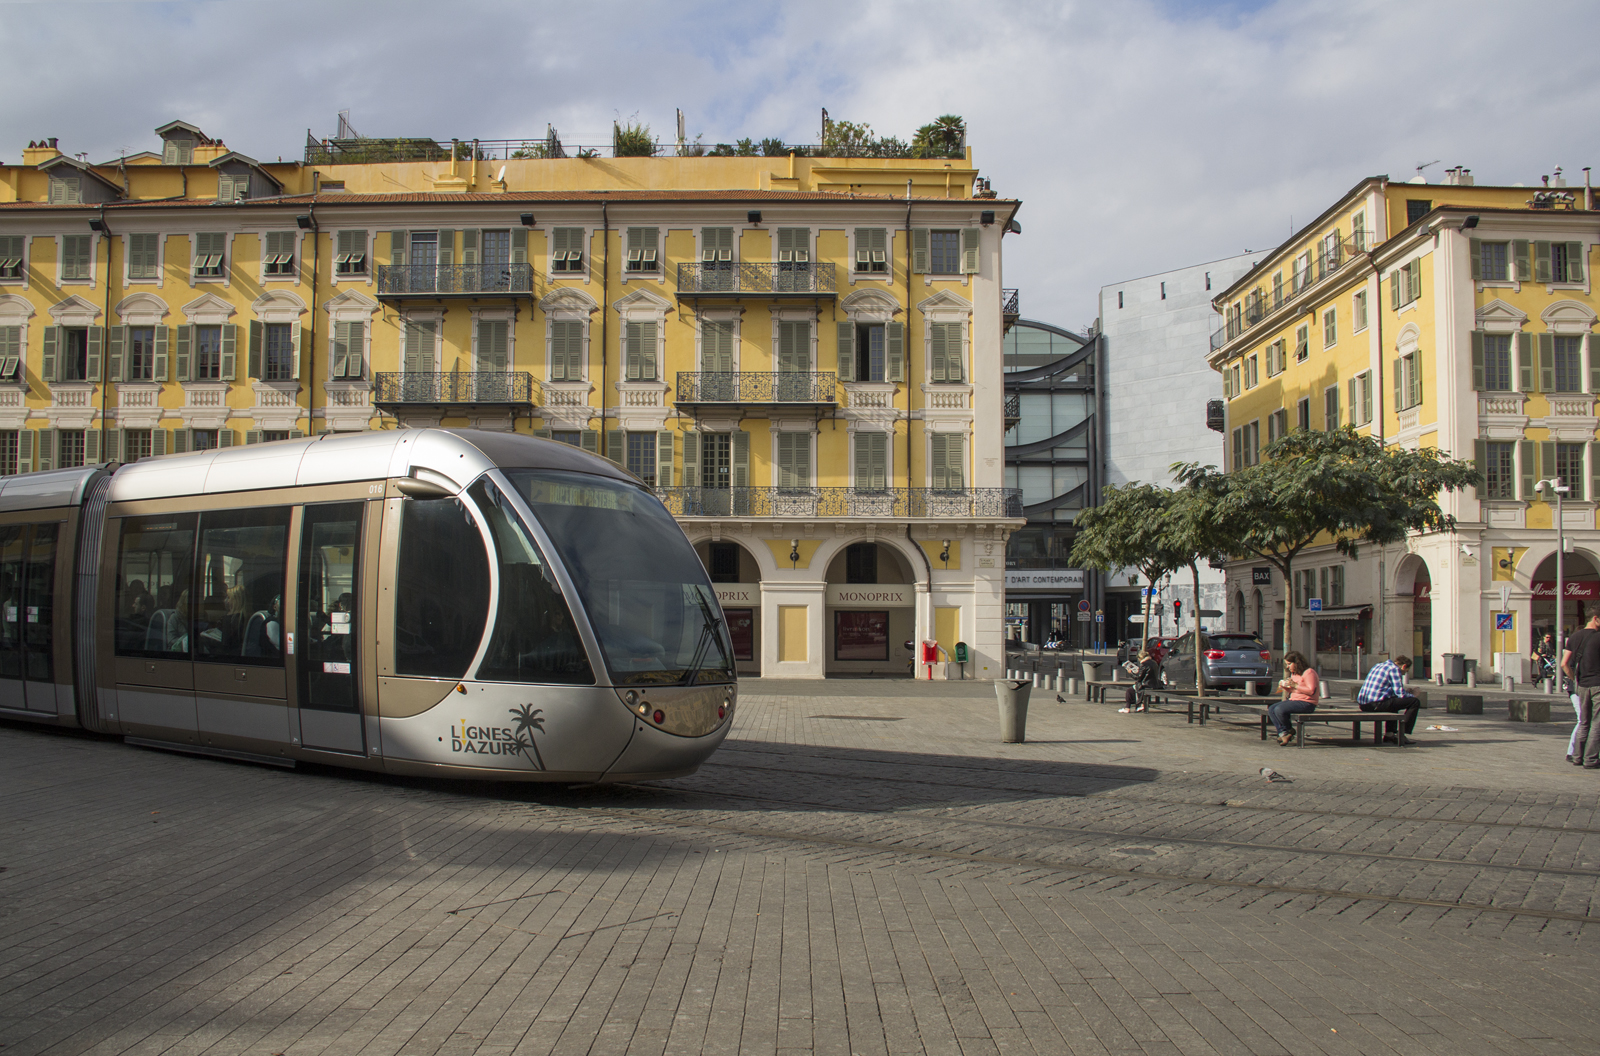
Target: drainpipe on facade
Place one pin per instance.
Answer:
(105, 382)
(924, 608)
(311, 380)
(1372, 258)
(605, 315)
(905, 359)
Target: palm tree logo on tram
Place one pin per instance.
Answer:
(528, 719)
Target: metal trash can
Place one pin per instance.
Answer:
(1455, 668)
(1091, 670)
(1012, 693)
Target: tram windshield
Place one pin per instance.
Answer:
(648, 596)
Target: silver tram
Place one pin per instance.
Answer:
(424, 601)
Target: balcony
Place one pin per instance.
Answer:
(725, 390)
(756, 279)
(1013, 409)
(509, 391)
(399, 282)
(1010, 310)
(809, 503)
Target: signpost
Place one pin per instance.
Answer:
(1314, 604)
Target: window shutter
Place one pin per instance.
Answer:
(25, 450)
(794, 347)
(919, 251)
(1547, 362)
(91, 447)
(647, 351)
(1594, 362)
(971, 242)
(1394, 290)
(253, 367)
(895, 344)
(739, 447)
(1238, 449)
(1547, 459)
(519, 245)
(634, 356)
(1574, 261)
(182, 440)
(558, 350)
(664, 458)
(294, 355)
(47, 449)
(186, 343)
(1477, 360)
(341, 350)
(1399, 387)
(1519, 252)
(1594, 469)
(847, 351)
(614, 446)
(691, 460)
(1477, 258)
(252, 436)
(1416, 378)
(1541, 262)
(863, 474)
(936, 351)
(1415, 271)
(447, 248)
(1352, 399)
(397, 247)
(1480, 459)
(226, 438)
(954, 360)
(1525, 374)
(469, 246)
(158, 442)
(230, 358)
(91, 370)
(162, 338)
(118, 341)
(589, 440)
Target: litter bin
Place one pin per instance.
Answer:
(1091, 670)
(1012, 694)
(1455, 668)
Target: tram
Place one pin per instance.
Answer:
(424, 601)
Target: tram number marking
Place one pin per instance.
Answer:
(374, 489)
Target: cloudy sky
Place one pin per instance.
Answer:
(1142, 135)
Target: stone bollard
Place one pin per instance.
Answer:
(1508, 684)
(1470, 704)
(1528, 710)
(1072, 687)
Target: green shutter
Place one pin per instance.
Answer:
(1416, 378)
(252, 436)
(91, 447)
(1238, 449)
(469, 246)
(230, 353)
(794, 347)
(1541, 262)
(847, 351)
(919, 251)
(341, 350)
(895, 344)
(1394, 290)
(1477, 361)
(47, 449)
(397, 247)
(589, 440)
(226, 438)
(871, 461)
(1476, 245)
(253, 367)
(1529, 472)
(182, 441)
(1519, 252)
(1547, 362)
(1414, 277)
(1594, 362)
(1547, 459)
(25, 450)
(615, 446)
(647, 351)
(1353, 400)
(739, 450)
(294, 356)
(161, 373)
(91, 371)
(1594, 469)
(716, 346)
(1574, 261)
(543, 434)
(664, 458)
(691, 460)
(185, 353)
(1480, 456)
(971, 242)
(447, 248)
(634, 336)
(357, 349)
(118, 341)
(1525, 372)
(519, 245)
(1399, 388)
(492, 345)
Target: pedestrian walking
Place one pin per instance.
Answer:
(1583, 653)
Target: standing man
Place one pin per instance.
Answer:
(1385, 690)
(1583, 651)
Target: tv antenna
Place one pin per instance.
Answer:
(1426, 164)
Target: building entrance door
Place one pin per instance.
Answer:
(716, 472)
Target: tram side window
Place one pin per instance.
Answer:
(441, 589)
(239, 615)
(27, 600)
(534, 637)
(153, 568)
(12, 537)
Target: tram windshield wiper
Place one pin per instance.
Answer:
(708, 637)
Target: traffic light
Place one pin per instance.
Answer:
(1177, 609)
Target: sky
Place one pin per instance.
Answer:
(1140, 135)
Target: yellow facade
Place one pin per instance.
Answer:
(684, 316)
(1451, 316)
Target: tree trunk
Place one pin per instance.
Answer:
(1144, 632)
(1199, 681)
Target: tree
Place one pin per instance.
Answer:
(1334, 487)
(1192, 534)
(942, 138)
(1128, 530)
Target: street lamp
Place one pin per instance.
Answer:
(1555, 487)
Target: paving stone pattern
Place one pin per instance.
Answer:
(862, 869)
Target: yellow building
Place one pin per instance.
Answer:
(1445, 315)
(801, 354)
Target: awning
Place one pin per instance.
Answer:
(1342, 612)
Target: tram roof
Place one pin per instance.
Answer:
(451, 457)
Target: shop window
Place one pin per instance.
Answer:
(861, 563)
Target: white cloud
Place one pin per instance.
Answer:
(1141, 136)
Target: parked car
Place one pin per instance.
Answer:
(1228, 661)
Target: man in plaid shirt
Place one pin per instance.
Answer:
(1385, 690)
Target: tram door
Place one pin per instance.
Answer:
(330, 622)
(27, 616)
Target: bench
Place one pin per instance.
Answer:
(1354, 718)
(1096, 693)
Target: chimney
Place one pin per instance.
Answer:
(41, 151)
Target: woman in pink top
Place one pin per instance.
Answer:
(1300, 691)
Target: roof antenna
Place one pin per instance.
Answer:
(1426, 164)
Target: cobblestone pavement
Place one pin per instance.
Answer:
(862, 869)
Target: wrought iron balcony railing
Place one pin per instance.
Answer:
(477, 387)
(756, 277)
(842, 502)
(1010, 302)
(449, 280)
(1013, 407)
(757, 388)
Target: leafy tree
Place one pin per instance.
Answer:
(1334, 487)
(940, 139)
(847, 139)
(1128, 530)
(1192, 535)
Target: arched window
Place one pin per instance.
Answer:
(1260, 626)
(1238, 608)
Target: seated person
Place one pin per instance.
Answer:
(1300, 691)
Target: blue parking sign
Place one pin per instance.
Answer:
(1315, 604)
(1504, 621)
